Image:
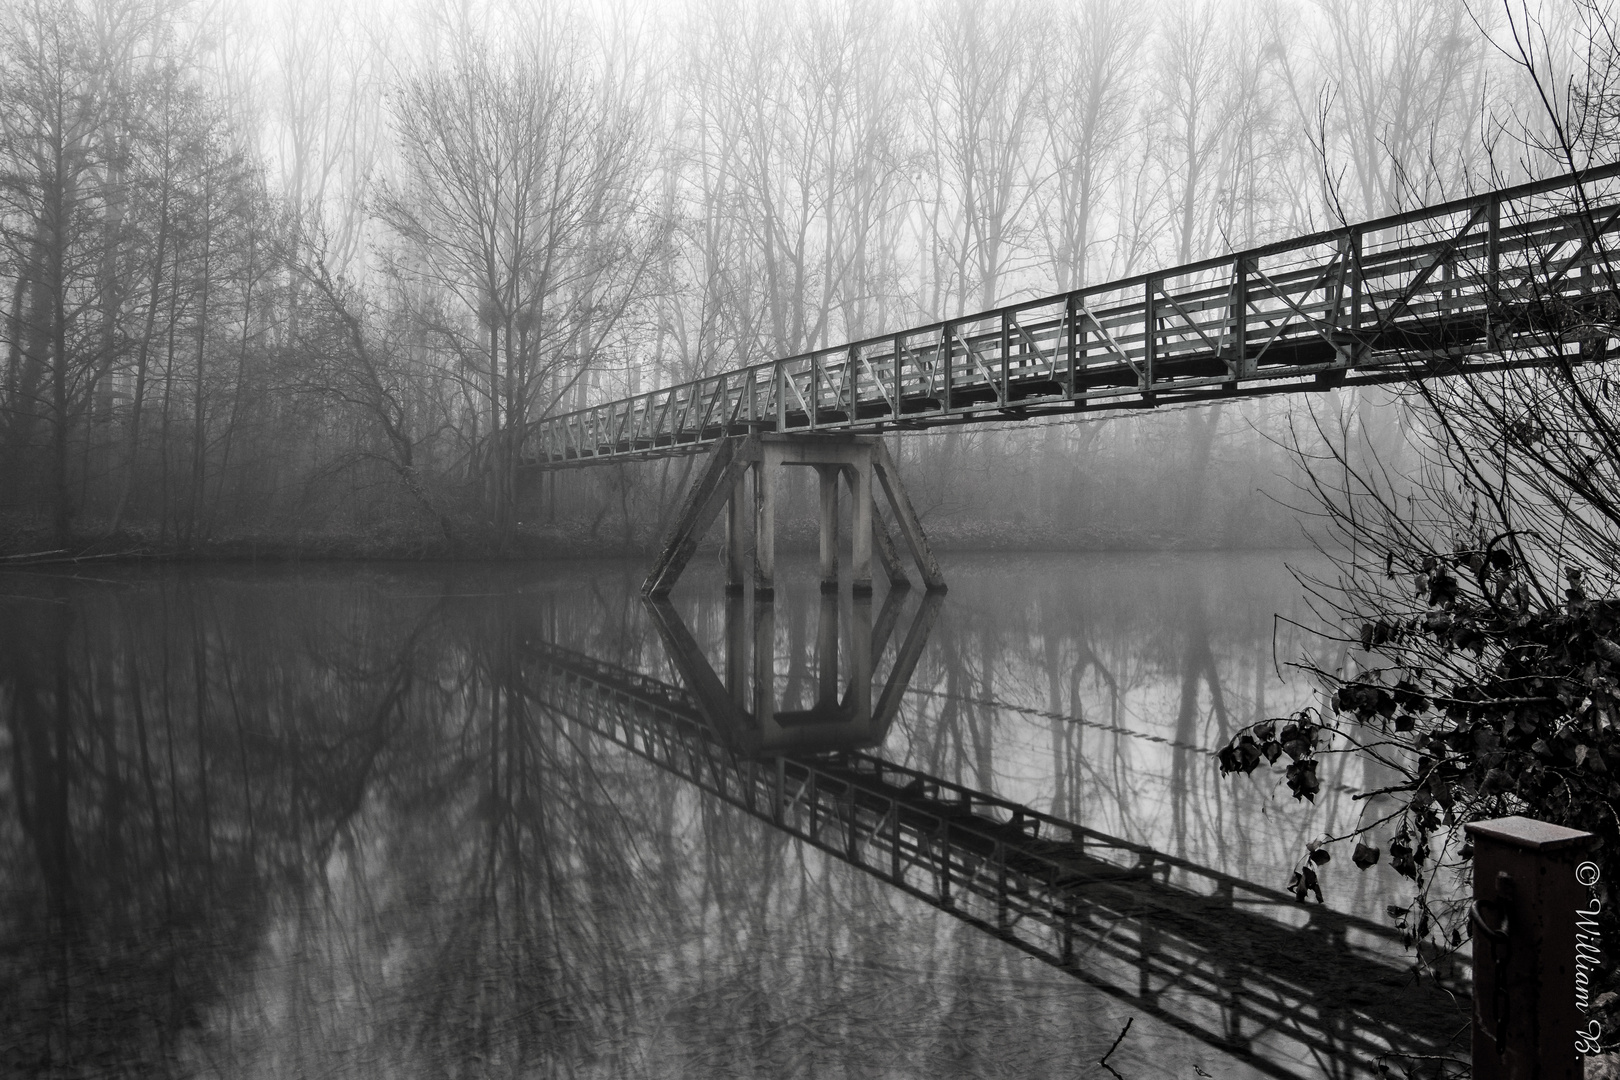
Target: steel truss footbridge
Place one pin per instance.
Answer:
(1514, 277)
(1293, 990)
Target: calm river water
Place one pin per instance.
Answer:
(320, 821)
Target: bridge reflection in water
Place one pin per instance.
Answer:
(1241, 966)
(316, 821)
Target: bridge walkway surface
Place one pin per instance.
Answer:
(1294, 990)
(1510, 278)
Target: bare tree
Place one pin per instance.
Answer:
(1474, 578)
(1404, 81)
(1088, 110)
(518, 202)
(61, 202)
(979, 85)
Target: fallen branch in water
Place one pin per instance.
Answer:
(61, 556)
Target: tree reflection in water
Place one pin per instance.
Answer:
(300, 823)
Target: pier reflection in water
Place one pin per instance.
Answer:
(743, 709)
(326, 821)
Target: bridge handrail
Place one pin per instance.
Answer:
(690, 390)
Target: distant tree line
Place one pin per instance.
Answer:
(296, 270)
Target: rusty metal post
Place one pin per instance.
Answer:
(1523, 920)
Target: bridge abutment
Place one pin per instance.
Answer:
(851, 461)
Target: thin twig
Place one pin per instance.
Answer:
(50, 558)
(1103, 1061)
(34, 554)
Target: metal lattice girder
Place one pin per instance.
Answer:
(1219, 958)
(1408, 296)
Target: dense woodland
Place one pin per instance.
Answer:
(306, 270)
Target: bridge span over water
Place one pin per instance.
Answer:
(1518, 277)
(1514, 277)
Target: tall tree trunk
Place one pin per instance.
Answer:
(168, 398)
(241, 383)
(25, 367)
(143, 350)
(110, 289)
(61, 417)
(199, 402)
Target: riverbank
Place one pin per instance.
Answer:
(30, 543)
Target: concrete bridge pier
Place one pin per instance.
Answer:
(737, 650)
(829, 475)
(739, 697)
(736, 537)
(853, 459)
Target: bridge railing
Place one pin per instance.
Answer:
(1405, 296)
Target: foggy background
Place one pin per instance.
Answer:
(303, 271)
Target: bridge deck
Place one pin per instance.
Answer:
(1296, 990)
(1502, 279)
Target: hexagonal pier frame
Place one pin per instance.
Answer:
(856, 459)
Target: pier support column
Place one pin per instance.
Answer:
(765, 527)
(860, 653)
(737, 650)
(860, 525)
(841, 715)
(710, 493)
(827, 652)
(888, 555)
(906, 517)
(829, 526)
(736, 528)
(857, 459)
(764, 661)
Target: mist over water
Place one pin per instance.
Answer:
(313, 820)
